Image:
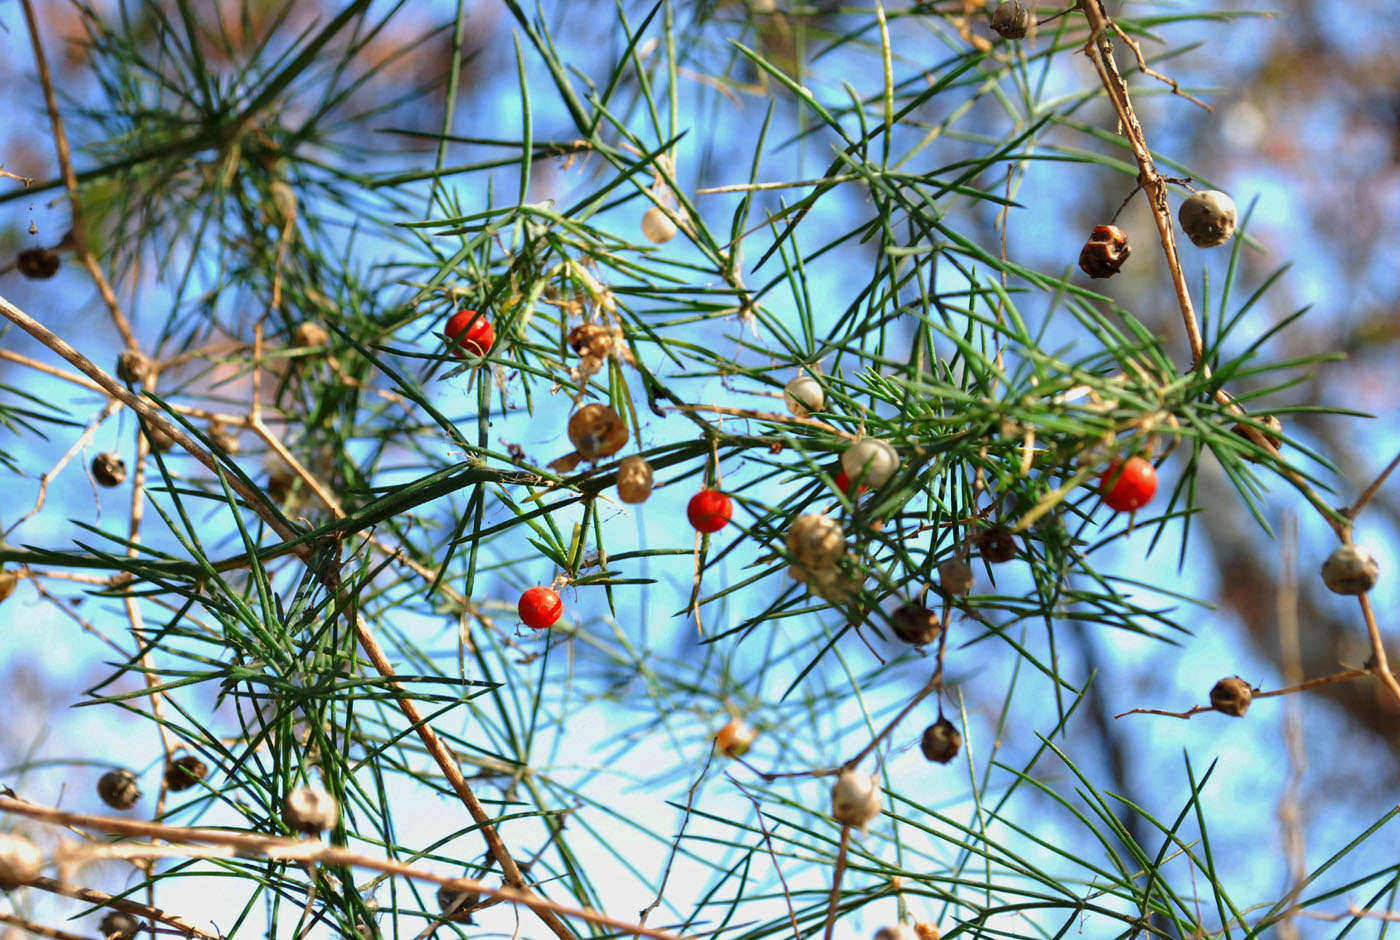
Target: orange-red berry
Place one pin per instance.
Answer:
(540, 608)
(1126, 486)
(472, 331)
(710, 510)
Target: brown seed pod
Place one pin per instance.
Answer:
(1231, 696)
(20, 861)
(280, 480)
(591, 341)
(815, 540)
(1350, 569)
(1011, 20)
(38, 264)
(1207, 218)
(132, 366)
(915, 624)
(996, 544)
(8, 582)
(634, 480)
(457, 905)
(223, 438)
(1105, 251)
(118, 789)
(118, 925)
(108, 469)
(597, 431)
(926, 930)
(855, 799)
(310, 810)
(184, 772)
(941, 741)
(955, 576)
(310, 333)
(1273, 433)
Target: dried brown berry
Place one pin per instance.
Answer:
(158, 439)
(132, 366)
(896, 932)
(815, 540)
(118, 925)
(996, 544)
(20, 861)
(1011, 20)
(926, 930)
(1272, 431)
(8, 582)
(941, 741)
(1350, 569)
(1231, 696)
(223, 438)
(591, 341)
(118, 789)
(457, 905)
(597, 431)
(955, 576)
(38, 264)
(915, 624)
(1105, 251)
(184, 772)
(1207, 218)
(108, 469)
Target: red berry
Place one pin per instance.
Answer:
(472, 331)
(843, 483)
(710, 510)
(540, 608)
(1131, 486)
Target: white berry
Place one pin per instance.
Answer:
(310, 810)
(803, 395)
(657, 226)
(870, 461)
(20, 861)
(855, 799)
(1207, 218)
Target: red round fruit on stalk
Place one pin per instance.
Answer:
(1126, 486)
(540, 608)
(710, 510)
(472, 331)
(843, 483)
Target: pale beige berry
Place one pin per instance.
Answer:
(310, 809)
(955, 575)
(657, 226)
(1207, 218)
(1350, 569)
(870, 461)
(1231, 696)
(803, 395)
(310, 333)
(832, 584)
(597, 431)
(735, 738)
(816, 541)
(591, 341)
(20, 861)
(855, 799)
(158, 438)
(634, 480)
